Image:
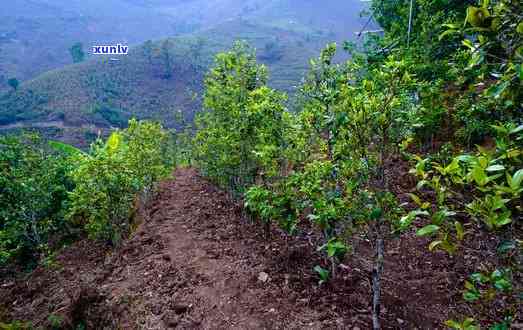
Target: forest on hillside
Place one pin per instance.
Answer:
(415, 142)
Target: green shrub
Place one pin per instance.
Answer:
(108, 179)
(116, 117)
(492, 178)
(33, 192)
(240, 131)
(44, 185)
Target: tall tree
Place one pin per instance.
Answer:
(196, 52)
(148, 51)
(77, 52)
(166, 55)
(13, 83)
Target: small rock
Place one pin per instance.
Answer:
(170, 320)
(263, 277)
(156, 309)
(180, 308)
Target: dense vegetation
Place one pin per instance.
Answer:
(441, 91)
(444, 95)
(52, 192)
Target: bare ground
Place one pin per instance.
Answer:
(197, 263)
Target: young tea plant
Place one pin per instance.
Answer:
(108, 179)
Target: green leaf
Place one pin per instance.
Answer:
(504, 219)
(495, 168)
(496, 90)
(453, 167)
(499, 326)
(466, 158)
(453, 324)
(447, 33)
(407, 220)
(520, 127)
(415, 198)
(451, 26)
(478, 278)
(503, 284)
(468, 43)
(65, 148)
(519, 29)
(519, 52)
(479, 175)
(460, 233)
(421, 184)
(471, 296)
(322, 273)
(336, 248)
(497, 201)
(469, 286)
(427, 230)
(376, 213)
(517, 178)
(442, 215)
(434, 245)
(468, 324)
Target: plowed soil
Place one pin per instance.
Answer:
(196, 262)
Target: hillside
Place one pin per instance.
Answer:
(386, 193)
(35, 35)
(339, 19)
(75, 102)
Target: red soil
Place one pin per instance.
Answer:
(197, 262)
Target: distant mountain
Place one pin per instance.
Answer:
(77, 101)
(35, 35)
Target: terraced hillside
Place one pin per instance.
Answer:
(158, 80)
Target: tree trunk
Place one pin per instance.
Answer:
(333, 268)
(376, 283)
(267, 229)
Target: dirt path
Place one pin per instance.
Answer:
(196, 263)
(212, 274)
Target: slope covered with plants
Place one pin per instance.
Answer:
(52, 192)
(158, 80)
(442, 93)
(36, 35)
(415, 141)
